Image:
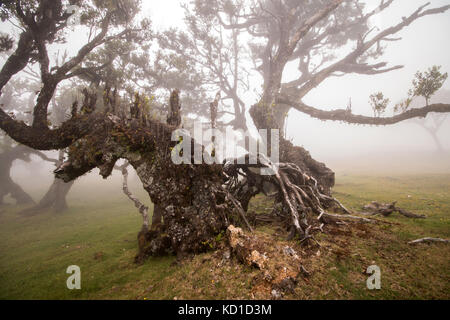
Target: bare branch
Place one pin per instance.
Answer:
(348, 117)
(49, 139)
(44, 157)
(143, 209)
(18, 60)
(361, 48)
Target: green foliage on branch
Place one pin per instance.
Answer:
(426, 84)
(379, 103)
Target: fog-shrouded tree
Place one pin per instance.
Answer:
(216, 55)
(8, 155)
(310, 33)
(55, 197)
(427, 86)
(198, 201)
(16, 97)
(98, 66)
(25, 95)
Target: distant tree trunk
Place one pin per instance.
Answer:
(55, 198)
(10, 187)
(7, 185)
(433, 129)
(439, 148)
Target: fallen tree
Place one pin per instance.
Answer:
(194, 203)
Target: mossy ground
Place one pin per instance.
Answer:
(98, 233)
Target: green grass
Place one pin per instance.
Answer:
(408, 272)
(99, 235)
(422, 194)
(36, 251)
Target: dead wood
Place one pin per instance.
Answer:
(429, 240)
(280, 266)
(386, 209)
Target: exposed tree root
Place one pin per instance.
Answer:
(298, 199)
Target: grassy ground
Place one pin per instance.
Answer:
(99, 231)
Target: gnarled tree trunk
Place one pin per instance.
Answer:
(191, 204)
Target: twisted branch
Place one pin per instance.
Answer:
(143, 209)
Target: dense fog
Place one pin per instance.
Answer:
(406, 147)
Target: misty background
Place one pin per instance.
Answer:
(402, 148)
